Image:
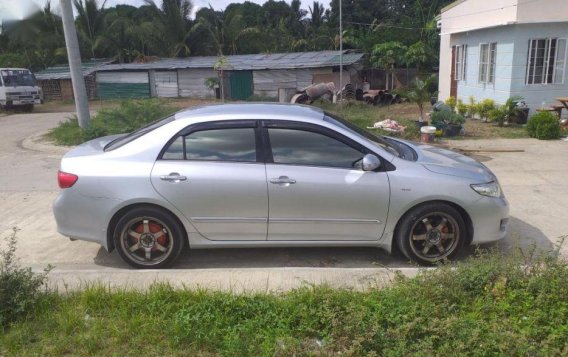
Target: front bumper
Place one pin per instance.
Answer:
(490, 218)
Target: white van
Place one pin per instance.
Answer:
(18, 88)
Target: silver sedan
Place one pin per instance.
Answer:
(271, 175)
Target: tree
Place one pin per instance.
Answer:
(173, 24)
(418, 54)
(420, 92)
(387, 56)
(89, 22)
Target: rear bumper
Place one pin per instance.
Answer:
(490, 217)
(81, 217)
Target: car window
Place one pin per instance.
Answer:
(228, 144)
(123, 140)
(300, 147)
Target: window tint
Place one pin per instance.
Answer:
(234, 144)
(123, 140)
(298, 147)
(175, 150)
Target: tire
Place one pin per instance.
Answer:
(148, 238)
(430, 233)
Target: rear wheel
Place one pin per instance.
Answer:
(431, 233)
(148, 238)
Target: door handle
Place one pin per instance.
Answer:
(173, 177)
(282, 180)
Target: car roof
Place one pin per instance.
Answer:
(243, 111)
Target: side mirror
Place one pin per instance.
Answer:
(371, 162)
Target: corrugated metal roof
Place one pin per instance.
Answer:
(246, 62)
(63, 72)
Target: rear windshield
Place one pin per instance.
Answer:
(123, 140)
(17, 78)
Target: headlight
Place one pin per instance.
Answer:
(491, 189)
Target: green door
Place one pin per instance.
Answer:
(241, 85)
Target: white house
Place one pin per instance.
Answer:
(502, 48)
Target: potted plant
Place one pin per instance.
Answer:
(449, 122)
(455, 125)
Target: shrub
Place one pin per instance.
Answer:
(444, 117)
(129, 116)
(497, 115)
(484, 107)
(451, 102)
(20, 288)
(543, 126)
(471, 107)
(549, 122)
(461, 108)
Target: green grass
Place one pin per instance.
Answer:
(365, 116)
(128, 116)
(488, 305)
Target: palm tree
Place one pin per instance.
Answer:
(420, 93)
(226, 29)
(174, 24)
(316, 15)
(90, 22)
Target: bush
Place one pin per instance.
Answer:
(471, 107)
(461, 108)
(20, 288)
(129, 116)
(444, 117)
(484, 107)
(451, 102)
(543, 126)
(497, 115)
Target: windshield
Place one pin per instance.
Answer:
(17, 78)
(379, 140)
(123, 140)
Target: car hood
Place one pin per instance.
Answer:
(446, 162)
(92, 147)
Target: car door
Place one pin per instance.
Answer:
(213, 174)
(316, 193)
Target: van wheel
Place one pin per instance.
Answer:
(148, 238)
(431, 233)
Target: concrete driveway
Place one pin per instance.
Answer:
(534, 182)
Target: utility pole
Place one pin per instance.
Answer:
(79, 90)
(340, 50)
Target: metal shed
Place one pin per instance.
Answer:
(55, 81)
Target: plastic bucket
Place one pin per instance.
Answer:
(427, 134)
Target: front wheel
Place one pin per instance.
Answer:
(148, 238)
(431, 233)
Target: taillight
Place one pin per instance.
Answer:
(65, 179)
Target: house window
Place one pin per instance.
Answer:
(546, 63)
(487, 58)
(461, 62)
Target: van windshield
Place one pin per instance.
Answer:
(17, 78)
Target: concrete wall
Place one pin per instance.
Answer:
(536, 94)
(475, 14)
(501, 88)
(542, 11)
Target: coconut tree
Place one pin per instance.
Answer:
(173, 24)
(90, 22)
